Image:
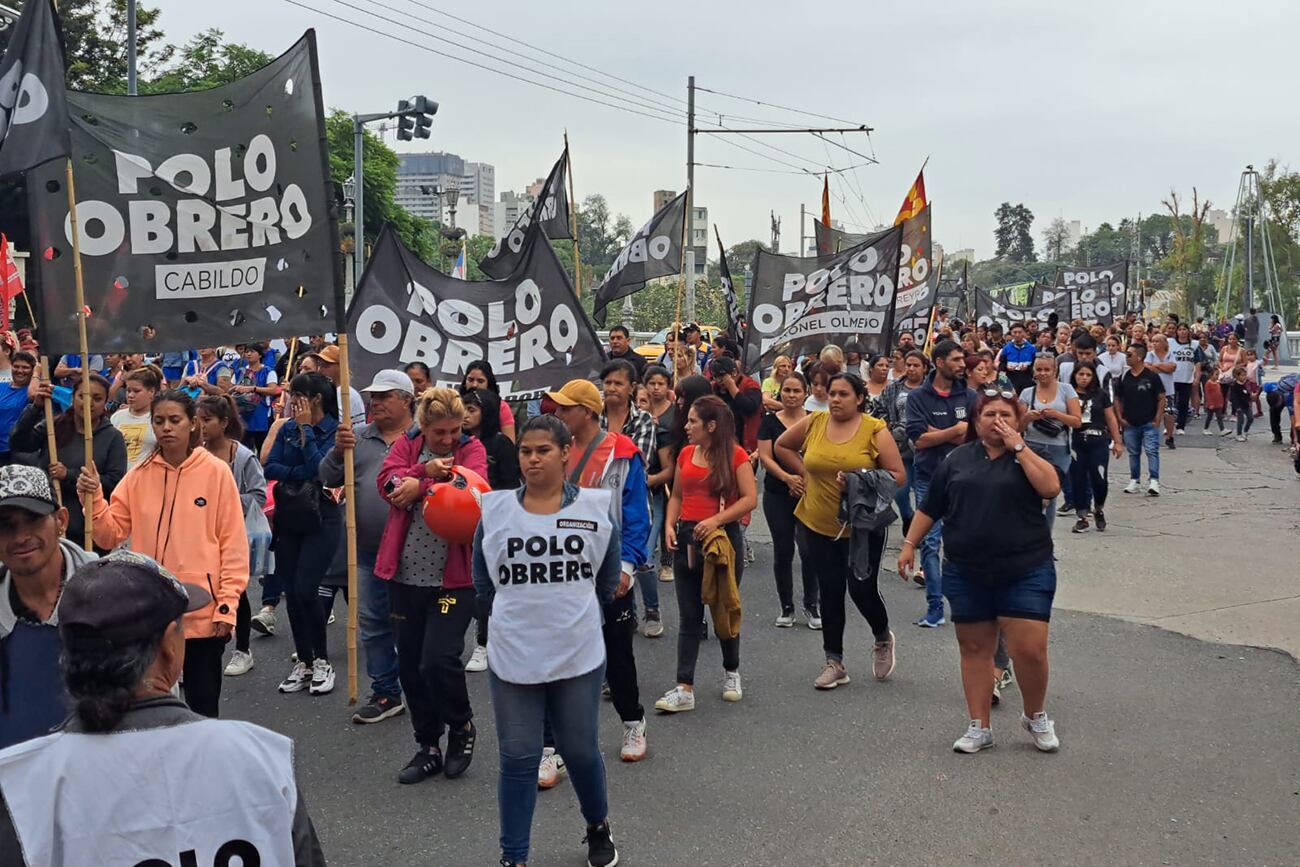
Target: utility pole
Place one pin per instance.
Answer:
(689, 269)
(1249, 300)
(803, 238)
(130, 47)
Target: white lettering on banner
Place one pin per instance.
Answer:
(214, 221)
(641, 250)
(450, 334)
(830, 322)
(209, 280)
(23, 95)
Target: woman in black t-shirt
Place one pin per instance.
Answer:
(998, 572)
(781, 492)
(1093, 442)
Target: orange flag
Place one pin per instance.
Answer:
(826, 202)
(915, 201)
(11, 285)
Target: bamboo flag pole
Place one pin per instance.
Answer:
(51, 443)
(677, 323)
(293, 349)
(31, 314)
(350, 518)
(573, 220)
(88, 434)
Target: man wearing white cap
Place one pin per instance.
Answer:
(391, 397)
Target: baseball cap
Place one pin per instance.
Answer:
(329, 354)
(391, 380)
(27, 488)
(579, 392)
(122, 598)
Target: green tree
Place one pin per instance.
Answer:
(1056, 240)
(206, 61)
(1192, 278)
(1013, 233)
(601, 237)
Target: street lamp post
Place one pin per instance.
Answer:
(349, 203)
(453, 196)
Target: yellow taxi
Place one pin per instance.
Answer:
(654, 347)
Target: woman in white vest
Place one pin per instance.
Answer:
(546, 557)
(61, 801)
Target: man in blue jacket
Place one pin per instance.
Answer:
(938, 414)
(1016, 359)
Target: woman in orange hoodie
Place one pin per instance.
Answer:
(181, 507)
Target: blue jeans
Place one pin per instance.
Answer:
(1059, 457)
(930, 555)
(375, 625)
(1139, 439)
(571, 706)
(974, 600)
(903, 499)
(647, 578)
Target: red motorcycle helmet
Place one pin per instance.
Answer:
(452, 508)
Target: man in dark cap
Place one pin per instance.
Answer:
(213, 789)
(36, 564)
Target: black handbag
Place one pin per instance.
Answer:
(1045, 426)
(298, 507)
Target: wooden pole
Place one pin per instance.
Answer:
(677, 323)
(929, 328)
(350, 519)
(88, 434)
(293, 348)
(573, 220)
(51, 443)
(31, 314)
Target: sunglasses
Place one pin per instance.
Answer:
(999, 392)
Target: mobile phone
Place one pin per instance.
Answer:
(390, 486)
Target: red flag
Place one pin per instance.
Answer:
(11, 284)
(915, 202)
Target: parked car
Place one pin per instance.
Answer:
(654, 347)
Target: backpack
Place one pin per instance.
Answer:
(248, 403)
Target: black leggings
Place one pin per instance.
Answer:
(243, 623)
(1182, 399)
(779, 511)
(1089, 472)
(202, 672)
(301, 563)
(688, 574)
(830, 561)
(431, 623)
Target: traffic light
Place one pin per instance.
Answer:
(423, 126)
(405, 123)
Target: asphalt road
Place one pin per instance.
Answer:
(1174, 751)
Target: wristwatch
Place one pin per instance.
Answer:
(1018, 448)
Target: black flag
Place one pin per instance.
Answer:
(205, 217)
(33, 105)
(1041, 306)
(1095, 294)
(551, 210)
(654, 251)
(832, 240)
(530, 326)
(918, 277)
(808, 302)
(735, 319)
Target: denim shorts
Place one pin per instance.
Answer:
(974, 601)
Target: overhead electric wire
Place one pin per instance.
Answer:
(471, 50)
(431, 50)
(772, 171)
(843, 146)
(782, 107)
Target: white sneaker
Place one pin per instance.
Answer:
(633, 741)
(676, 700)
(976, 738)
(263, 622)
(1208, 432)
(731, 690)
(241, 662)
(1241, 438)
(477, 659)
(299, 678)
(784, 620)
(1226, 432)
(551, 770)
(814, 618)
(1179, 432)
(1131, 487)
(1042, 730)
(322, 678)
(1153, 489)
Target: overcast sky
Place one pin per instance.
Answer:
(1088, 110)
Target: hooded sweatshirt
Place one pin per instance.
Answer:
(32, 697)
(188, 518)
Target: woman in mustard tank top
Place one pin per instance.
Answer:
(822, 448)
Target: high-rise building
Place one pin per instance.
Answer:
(421, 178)
(698, 236)
(478, 187)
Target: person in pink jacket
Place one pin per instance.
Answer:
(430, 589)
(180, 506)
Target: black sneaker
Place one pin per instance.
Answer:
(1067, 508)
(506, 862)
(600, 846)
(1080, 526)
(1100, 517)
(378, 709)
(426, 763)
(460, 751)
(1169, 443)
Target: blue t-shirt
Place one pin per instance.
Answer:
(13, 401)
(260, 418)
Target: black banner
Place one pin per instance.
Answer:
(805, 303)
(831, 240)
(33, 104)
(1095, 294)
(530, 326)
(205, 217)
(918, 277)
(654, 251)
(735, 319)
(551, 210)
(989, 309)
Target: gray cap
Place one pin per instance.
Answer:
(391, 380)
(27, 488)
